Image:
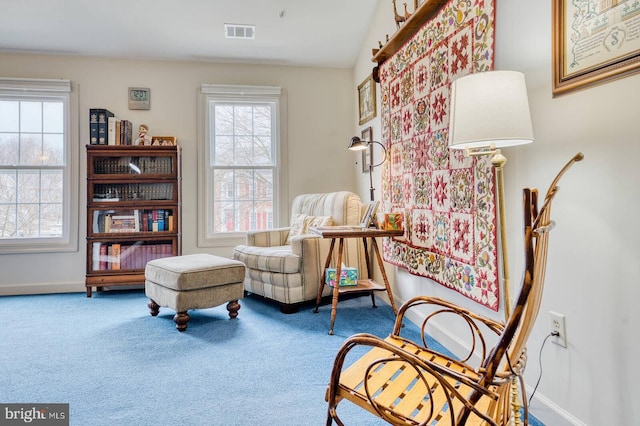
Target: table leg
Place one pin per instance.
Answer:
(369, 268)
(324, 274)
(366, 258)
(384, 274)
(336, 288)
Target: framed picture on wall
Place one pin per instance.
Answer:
(163, 140)
(367, 100)
(593, 44)
(367, 154)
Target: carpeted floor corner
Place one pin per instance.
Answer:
(117, 365)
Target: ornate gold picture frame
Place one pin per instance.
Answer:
(594, 44)
(367, 100)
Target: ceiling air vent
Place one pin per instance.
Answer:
(247, 32)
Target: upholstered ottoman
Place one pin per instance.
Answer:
(195, 281)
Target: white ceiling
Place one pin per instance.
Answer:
(310, 32)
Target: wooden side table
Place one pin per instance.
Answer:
(364, 285)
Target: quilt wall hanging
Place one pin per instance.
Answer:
(448, 199)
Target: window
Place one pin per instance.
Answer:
(241, 160)
(38, 168)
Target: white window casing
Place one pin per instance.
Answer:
(57, 91)
(212, 95)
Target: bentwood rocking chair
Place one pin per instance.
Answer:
(406, 382)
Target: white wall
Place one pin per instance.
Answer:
(319, 127)
(595, 249)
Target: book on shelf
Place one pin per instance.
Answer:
(157, 220)
(105, 198)
(118, 129)
(93, 126)
(111, 130)
(128, 257)
(168, 221)
(102, 221)
(95, 256)
(126, 131)
(115, 256)
(160, 221)
(98, 125)
(103, 257)
(120, 132)
(106, 129)
(125, 223)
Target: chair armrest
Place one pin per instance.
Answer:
(302, 243)
(433, 307)
(268, 238)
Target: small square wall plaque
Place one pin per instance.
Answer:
(139, 98)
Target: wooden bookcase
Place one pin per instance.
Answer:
(133, 211)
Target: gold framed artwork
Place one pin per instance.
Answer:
(367, 154)
(594, 42)
(366, 100)
(163, 140)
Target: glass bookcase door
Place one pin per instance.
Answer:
(125, 255)
(132, 191)
(131, 165)
(118, 220)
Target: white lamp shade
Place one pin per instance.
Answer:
(489, 108)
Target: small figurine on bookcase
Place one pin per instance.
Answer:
(143, 136)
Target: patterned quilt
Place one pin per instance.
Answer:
(448, 200)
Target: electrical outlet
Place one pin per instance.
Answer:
(557, 325)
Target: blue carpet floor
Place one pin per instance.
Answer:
(117, 365)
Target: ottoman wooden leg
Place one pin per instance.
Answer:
(154, 308)
(233, 307)
(181, 319)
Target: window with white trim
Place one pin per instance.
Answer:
(240, 160)
(38, 167)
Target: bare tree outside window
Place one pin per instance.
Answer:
(243, 185)
(31, 168)
(243, 165)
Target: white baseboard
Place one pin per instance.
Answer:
(541, 407)
(41, 288)
(549, 413)
(52, 288)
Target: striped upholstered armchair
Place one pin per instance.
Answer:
(286, 264)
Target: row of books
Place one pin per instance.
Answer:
(106, 129)
(133, 165)
(133, 192)
(116, 256)
(112, 221)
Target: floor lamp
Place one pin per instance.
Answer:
(357, 144)
(489, 111)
